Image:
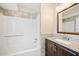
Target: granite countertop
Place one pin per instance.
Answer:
(74, 45)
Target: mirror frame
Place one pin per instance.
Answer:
(74, 33)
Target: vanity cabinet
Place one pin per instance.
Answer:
(54, 49)
(50, 48)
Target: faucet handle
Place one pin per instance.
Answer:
(66, 36)
(35, 39)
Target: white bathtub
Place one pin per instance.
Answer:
(30, 52)
(19, 36)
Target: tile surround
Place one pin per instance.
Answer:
(18, 13)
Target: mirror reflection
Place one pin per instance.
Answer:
(69, 19)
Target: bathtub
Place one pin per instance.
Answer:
(30, 52)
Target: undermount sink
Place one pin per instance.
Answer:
(62, 41)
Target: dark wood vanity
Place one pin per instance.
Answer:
(54, 49)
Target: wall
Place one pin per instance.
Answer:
(48, 22)
(48, 18)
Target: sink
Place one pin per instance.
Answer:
(63, 41)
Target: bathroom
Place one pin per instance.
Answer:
(39, 29)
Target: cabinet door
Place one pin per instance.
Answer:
(62, 51)
(50, 48)
(59, 51)
(66, 52)
(53, 49)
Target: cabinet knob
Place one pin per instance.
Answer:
(55, 46)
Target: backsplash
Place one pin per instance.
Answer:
(71, 37)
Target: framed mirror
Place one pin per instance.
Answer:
(68, 20)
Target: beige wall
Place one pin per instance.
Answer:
(48, 22)
(48, 18)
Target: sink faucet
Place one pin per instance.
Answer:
(66, 37)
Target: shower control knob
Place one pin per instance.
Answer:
(35, 38)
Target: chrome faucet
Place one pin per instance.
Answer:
(66, 37)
